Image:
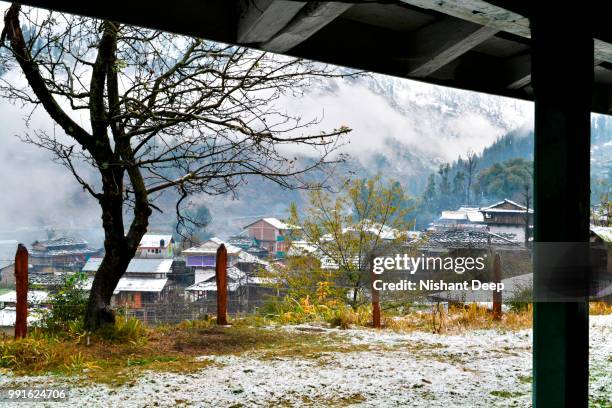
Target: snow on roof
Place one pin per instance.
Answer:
(208, 286)
(34, 296)
(245, 257)
(475, 216)
(137, 265)
(8, 316)
(453, 215)
(204, 276)
(302, 248)
(276, 223)
(470, 214)
(210, 247)
(8, 249)
(154, 240)
(141, 285)
(492, 208)
(605, 233)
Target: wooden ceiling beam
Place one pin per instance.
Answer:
(260, 20)
(310, 19)
(494, 16)
(439, 43)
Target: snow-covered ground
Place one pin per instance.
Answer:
(474, 369)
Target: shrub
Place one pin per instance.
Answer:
(124, 330)
(67, 306)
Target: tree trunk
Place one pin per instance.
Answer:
(119, 249)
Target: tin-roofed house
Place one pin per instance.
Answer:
(64, 254)
(156, 246)
(246, 288)
(142, 286)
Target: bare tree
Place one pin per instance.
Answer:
(145, 111)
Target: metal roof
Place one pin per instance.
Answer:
(276, 223)
(34, 296)
(137, 265)
(141, 285)
(210, 248)
(154, 240)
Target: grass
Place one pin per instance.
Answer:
(600, 308)
(457, 319)
(117, 355)
(506, 394)
(178, 348)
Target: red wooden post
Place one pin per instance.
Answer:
(497, 295)
(21, 286)
(375, 305)
(221, 277)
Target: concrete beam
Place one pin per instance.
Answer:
(439, 43)
(260, 20)
(310, 19)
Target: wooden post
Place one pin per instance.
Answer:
(21, 286)
(497, 296)
(375, 305)
(221, 277)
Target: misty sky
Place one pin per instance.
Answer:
(434, 121)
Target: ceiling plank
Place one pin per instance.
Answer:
(439, 43)
(260, 20)
(309, 20)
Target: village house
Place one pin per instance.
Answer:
(508, 217)
(156, 246)
(273, 235)
(37, 300)
(60, 255)
(8, 249)
(244, 284)
(144, 282)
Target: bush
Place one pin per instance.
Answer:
(67, 306)
(124, 330)
(522, 299)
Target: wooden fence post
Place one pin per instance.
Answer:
(221, 277)
(497, 296)
(375, 305)
(21, 287)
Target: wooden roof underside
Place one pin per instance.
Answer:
(468, 44)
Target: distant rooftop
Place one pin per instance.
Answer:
(137, 265)
(210, 248)
(276, 223)
(155, 241)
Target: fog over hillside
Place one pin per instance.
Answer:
(401, 128)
